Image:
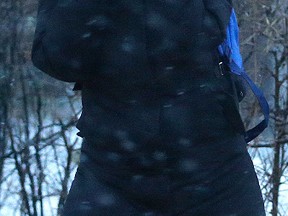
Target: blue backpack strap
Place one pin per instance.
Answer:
(254, 132)
(230, 49)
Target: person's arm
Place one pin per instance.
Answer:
(38, 54)
(220, 9)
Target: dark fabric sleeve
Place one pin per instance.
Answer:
(222, 10)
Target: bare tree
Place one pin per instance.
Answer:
(38, 147)
(266, 39)
(35, 134)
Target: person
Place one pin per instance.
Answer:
(162, 134)
(176, 154)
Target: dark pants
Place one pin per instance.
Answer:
(179, 154)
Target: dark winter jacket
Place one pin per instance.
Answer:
(127, 41)
(110, 46)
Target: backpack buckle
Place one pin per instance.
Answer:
(220, 71)
(221, 68)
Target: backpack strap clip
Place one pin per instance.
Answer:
(221, 68)
(222, 71)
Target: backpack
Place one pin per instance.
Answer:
(230, 52)
(79, 41)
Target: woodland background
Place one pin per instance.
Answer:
(39, 149)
